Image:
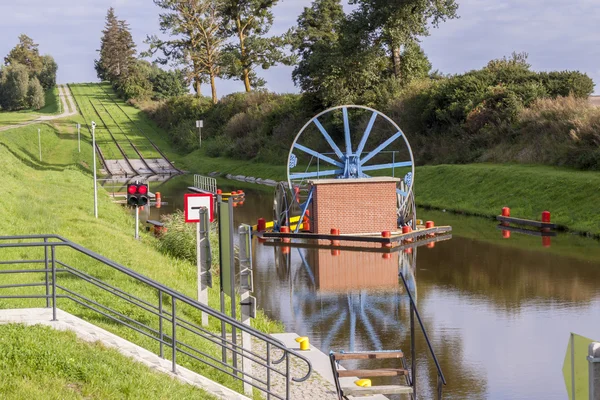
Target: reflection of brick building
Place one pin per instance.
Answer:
(353, 270)
(354, 205)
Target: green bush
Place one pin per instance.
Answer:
(36, 99)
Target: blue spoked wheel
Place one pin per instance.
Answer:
(350, 142)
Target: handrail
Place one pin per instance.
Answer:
(178, 321)
(414, 308)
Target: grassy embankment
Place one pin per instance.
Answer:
(52, 106)
(38, 362)
(56, 196)
(477, 189)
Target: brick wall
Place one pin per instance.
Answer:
(354, 206)
(352, 270)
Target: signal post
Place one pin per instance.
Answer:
(137, 196)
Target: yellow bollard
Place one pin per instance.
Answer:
(304, 343)
(363, 383)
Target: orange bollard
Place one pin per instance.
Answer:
(158, 200)
(219, 191)
(285, 229)
(429, 225)
(306, 222)
(506, 234)
(335, 231)
(387, 256)
(407, 229)
(505, 212)
(335, 253)
(546, 241)
(386, 234)
(546, 217)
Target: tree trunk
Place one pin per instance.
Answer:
(247, 80)
(213, 87)
(198, 87)
(397, 59)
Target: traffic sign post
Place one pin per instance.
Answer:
(200, 125)
(79, 136)
(137, 196)
(203, 259)
(40, 142)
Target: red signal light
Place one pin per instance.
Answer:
(142, 189)
(131, 189)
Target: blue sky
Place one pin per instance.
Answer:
(557, 34)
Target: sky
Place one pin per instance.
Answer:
(557, 34)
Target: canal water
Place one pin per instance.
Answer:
(499, 311)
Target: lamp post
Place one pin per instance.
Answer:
(200, 125)
(94, 168)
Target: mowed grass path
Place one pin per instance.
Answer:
(38, 362)
(55, 196)
(97, 103)
(14, 117)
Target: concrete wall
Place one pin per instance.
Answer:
(354, 205)
(594, 352)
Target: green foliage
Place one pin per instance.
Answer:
(117, 49)
(248, 21)
(15, 83)
(25, 53)
(166, 84)
(135, 84)
(35, 94)
(47, 75)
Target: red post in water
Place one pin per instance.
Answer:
(387, 256)
(505, 212)
(386, 234)
(407, 229)
(285, 229)
(335, 231)
(546, 217)
(261, 225)
(335, 253)
(219, 191)
(546, 241)
(429, 225)
(506, 234)
(431, 245)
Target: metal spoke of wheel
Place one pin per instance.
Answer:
(315, 174)
(319, 155)
(347, 132)
(363, 141)
(386, 166)
(381, 147)
(334, 146)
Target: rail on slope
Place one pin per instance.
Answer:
(140, 129)
(51, 271)
(129, 140)
(102, 158)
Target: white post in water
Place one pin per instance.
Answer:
(203, 260)
(79, 137)
(594, 360)
(40, 142)
(200, 125)
(137, 222)
(94, 168)
(248, 302)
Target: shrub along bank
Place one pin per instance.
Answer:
(492, 114)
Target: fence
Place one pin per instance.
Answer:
(143, 311)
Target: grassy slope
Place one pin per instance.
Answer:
(56, 196)
(38, 362)
(483, 189)
(14, 117)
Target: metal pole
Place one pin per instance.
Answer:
(594, 366)
(47, 274)
(413, 351)
(40, 142)
(200, 138)
(94, 168)
(221, 292)
(52, 252)
(232, 283)
(246, 265)
(137, 222)
(202, 259)
(174, 334)
(572, 366)
(79, 136)
(160, 323)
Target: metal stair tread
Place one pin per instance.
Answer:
(384, 389)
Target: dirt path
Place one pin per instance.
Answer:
(67, 106)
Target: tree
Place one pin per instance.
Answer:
(26, 53)
(195, 27)
(167, 84)
(117, 49)
(47, 76)
(249, 21)
(136, 83)
(35, 94)
(398, 24)
(15, 83)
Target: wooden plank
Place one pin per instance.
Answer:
(526, 222)
(368, 355)
(367, 373)
(386, 389)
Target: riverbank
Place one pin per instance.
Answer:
(474, 189)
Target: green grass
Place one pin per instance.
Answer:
(99, 103)
(38, 362)
(14, 117)
(56, 196)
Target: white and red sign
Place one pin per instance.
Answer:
(192, 203)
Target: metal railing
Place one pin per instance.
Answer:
(205, 183)
(441, 380)
(163, 317)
